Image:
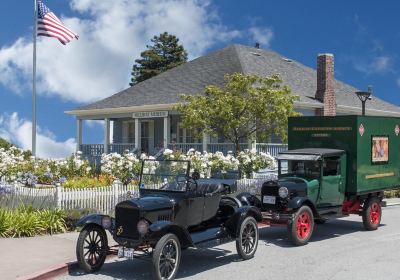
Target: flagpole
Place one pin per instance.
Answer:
(34, 82)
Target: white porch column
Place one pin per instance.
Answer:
(106, 134)
(137, 134)
(167, 129)
(205, 142)
(78, 134)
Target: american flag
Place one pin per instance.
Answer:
(49, 25)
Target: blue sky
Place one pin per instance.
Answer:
(364, 36)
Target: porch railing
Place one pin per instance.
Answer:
(225, 147)
(184, 147)
(120, 148)
(96, 150)
(272, 148)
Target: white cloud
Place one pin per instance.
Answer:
(262, 35)
(373, 65)
(18, 131)
(112, 34)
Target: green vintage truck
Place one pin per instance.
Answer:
(334, 167)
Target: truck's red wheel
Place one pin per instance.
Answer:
(372, 213)
(301, 227)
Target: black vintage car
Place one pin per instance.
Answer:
(175, 211)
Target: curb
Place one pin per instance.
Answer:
(58, 270)
(393, 204)
(51, 272)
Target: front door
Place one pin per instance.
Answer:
(331, 193)
(147, 136)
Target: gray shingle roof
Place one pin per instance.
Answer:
(193, 76)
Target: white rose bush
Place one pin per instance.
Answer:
(17, 165)
(217, 164)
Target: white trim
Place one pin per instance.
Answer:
(357, 110)
(121, 110)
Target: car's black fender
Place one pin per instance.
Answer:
(94, 219)
(234, 222)
(298, 201)
(247, 198)
(160, 228)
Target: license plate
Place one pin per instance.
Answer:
(269, 199)
(125, 253)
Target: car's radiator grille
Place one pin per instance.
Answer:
(126, 220)
(271, 188)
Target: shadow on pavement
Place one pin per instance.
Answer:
(277, 235)
(193, 261)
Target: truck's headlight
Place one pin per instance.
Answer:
(283, 192)
(143, 227)
(106, 222)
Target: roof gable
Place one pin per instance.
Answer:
(193, 76)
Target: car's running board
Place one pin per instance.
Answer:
(210, 238)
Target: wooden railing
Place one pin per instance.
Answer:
(225, 147)
(184, 147)
(271, 148)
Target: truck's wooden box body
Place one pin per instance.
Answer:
(372, 145)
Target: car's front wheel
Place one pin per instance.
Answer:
(247, 240)
(166, 257)
(301, 227)
(91, 248)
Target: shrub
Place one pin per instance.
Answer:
(27, 222)
(87, 182)
(4, 222)
(52, 221)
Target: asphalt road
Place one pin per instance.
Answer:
(339, 249)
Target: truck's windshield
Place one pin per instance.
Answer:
(301, 168)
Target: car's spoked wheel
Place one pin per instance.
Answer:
(166, 257)
(91, 249)
(301, 227)
(372, 213)
(247, 241)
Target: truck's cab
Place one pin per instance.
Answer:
(311, 178)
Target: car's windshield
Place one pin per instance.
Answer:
(301, 168)
(164, 175)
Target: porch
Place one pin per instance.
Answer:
(151, 132)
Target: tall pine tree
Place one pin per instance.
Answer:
(164, 54)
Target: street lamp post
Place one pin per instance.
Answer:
(364, 96)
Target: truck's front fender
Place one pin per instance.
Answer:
(94, 219)
(160, 228)
(296, 202)
(234, 222)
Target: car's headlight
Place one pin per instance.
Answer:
(143, 227)
(106, 222)
(283, 192)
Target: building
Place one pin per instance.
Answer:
(142, 116)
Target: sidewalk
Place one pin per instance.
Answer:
(25, 256)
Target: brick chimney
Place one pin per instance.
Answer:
(325, 90)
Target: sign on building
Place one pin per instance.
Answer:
(154, 114)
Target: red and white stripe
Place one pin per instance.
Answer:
(51, 26)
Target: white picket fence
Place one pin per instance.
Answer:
(101, 200)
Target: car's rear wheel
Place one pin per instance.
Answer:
(166, 257)
(301, 227)
(247, 240)
(372, 213)
(91, 248)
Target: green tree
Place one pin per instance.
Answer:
(164, 54)
(5, 144)
(246, 106)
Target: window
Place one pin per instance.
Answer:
(331, 166)
(128, 132)
(187, 135)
